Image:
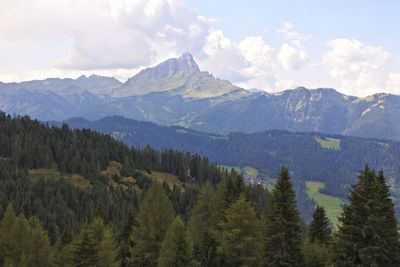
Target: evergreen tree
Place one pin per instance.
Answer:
(316, 255)
(201, 228)
(283, 232)
(85, 251)
(124, 242)
(228, 191)
(320, 229)
(368, 234)
(8, 244)
(155, 216)
(40, 253)
(241, 238)
(23, 242)
(175, 249)
(95, 246)
(107, 253)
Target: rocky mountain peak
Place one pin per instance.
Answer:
(185, 63)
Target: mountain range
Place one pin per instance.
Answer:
(177, 92)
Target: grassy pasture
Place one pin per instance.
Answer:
(46, 174)
(333, 205)
(328, 143)
(170, 179)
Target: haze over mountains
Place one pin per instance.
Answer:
(177, 92)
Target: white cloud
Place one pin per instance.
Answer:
(393, 83)
(361, 69)
(223, 59)
(248, 63)
(292, 57)
(292, 54)
(290, 33)
(107, 33)
(67, 38)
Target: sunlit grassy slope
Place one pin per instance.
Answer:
(46, 174)
(329, 143)
(331, 204)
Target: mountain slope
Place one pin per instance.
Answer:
(180, 76)
(177, 92)
(331, 159)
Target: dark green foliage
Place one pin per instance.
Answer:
(224, 224)
(261, 197)
(368, 232)
(124, 241)
(95, 246)
(240, 242)
(316, 255)
(175, 250)
(85, 250)
(23, 242)
(62, 207)
(283, 233)
(266, 151)
(320, 228)
(202, 227)
(155, 216)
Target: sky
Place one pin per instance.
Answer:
(352, 46)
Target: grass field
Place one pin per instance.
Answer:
(249, 171)
(331, 204)
(329, 143)
(46, 174)
(170, 179)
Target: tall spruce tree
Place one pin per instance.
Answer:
(201, 228)
(95, 246)
(320, 227)
(175, 250)
(317, 249)
(23, 242)
(283, 232)
(107, 247)
(85, 252)
(124, 242)
(155, 216)
(368, 234)
(240, 243)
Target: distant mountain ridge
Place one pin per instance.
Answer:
(177, 92)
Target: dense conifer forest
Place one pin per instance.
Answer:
(81, 198)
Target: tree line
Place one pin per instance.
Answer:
(225, 228)
(213, 219)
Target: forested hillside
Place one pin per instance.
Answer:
(81, 198)
(66, 177)
(331, 159)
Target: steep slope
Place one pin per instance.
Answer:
(301, 109)
(179, 76)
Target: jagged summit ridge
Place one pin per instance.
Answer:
(180, 76)
(185, 63)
